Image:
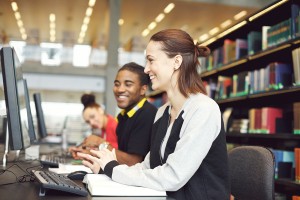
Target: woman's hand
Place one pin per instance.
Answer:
(98, 161)
(90, 161)
(105, 156)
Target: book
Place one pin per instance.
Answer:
(296, 65)
(254, 39)
(102, 185)
(294, 20)
(296, 112)
(264, 44)
(241, 48)
(229, 49)
(297, 164)
(269, 116)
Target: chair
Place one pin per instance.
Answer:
(252, 170)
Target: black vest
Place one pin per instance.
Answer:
(211, 180)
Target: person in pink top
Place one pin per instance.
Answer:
(103, 125)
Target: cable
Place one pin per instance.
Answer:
(27, 177)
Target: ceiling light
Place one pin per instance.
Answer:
(184, 27)
(160, 17)
(80, 40)
(232, 28)
(226, 23)
(52, 25)
(84, 27)
(89, 11)
(14, 6)
(52, 39)
(203, 37)
(82, 34)
(22, 30)
(145, 32)
(240, 15)
(92, 3)
(121, 22)
(24, 36)
(214, 31)
(52, 17)
(152, 25)
(52, 32)
(169, 7)
(17, 15)
(20, 23)
(86, 20)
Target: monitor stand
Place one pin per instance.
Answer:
(6, 147)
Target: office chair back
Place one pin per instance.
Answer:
(252, 170)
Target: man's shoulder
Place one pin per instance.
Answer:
(149, 107)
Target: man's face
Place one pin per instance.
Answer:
(128, 90)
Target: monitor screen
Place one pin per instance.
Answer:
(40, 115)
(31, 130)
(14, 92)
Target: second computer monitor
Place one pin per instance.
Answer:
(40, 115)
(14, 91)
(31, 130)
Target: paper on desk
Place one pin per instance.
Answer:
(69, 168)
(102, 185)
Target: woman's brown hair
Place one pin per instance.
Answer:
(177, 42)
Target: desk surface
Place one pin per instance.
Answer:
(30, 190)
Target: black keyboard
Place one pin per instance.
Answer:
(54, 181)
(52, 160)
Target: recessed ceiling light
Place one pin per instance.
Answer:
(14, 6)
(121, 22)
(240, 15)
(169, 7)
(92, 3)
(160, 17)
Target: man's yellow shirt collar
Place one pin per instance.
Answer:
(131, 112)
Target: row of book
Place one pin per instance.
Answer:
(265, 120)
(274, 76)
(255, 41)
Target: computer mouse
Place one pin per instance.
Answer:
(77, 175)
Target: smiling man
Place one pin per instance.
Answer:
(134, 121)
(137, 115)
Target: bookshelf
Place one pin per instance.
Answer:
(279, 17)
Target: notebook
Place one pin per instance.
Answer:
(102, 185)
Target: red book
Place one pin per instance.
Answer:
(297, 164)
(269, 116)
(257, 124)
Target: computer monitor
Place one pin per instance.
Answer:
(40, 115)
(31, 130)
(14, 91)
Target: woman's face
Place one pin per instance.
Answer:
(94, 117)
(159, 67)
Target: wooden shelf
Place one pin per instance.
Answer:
(285, 95)
(283, 141)
(259, 55)
(287, 186)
